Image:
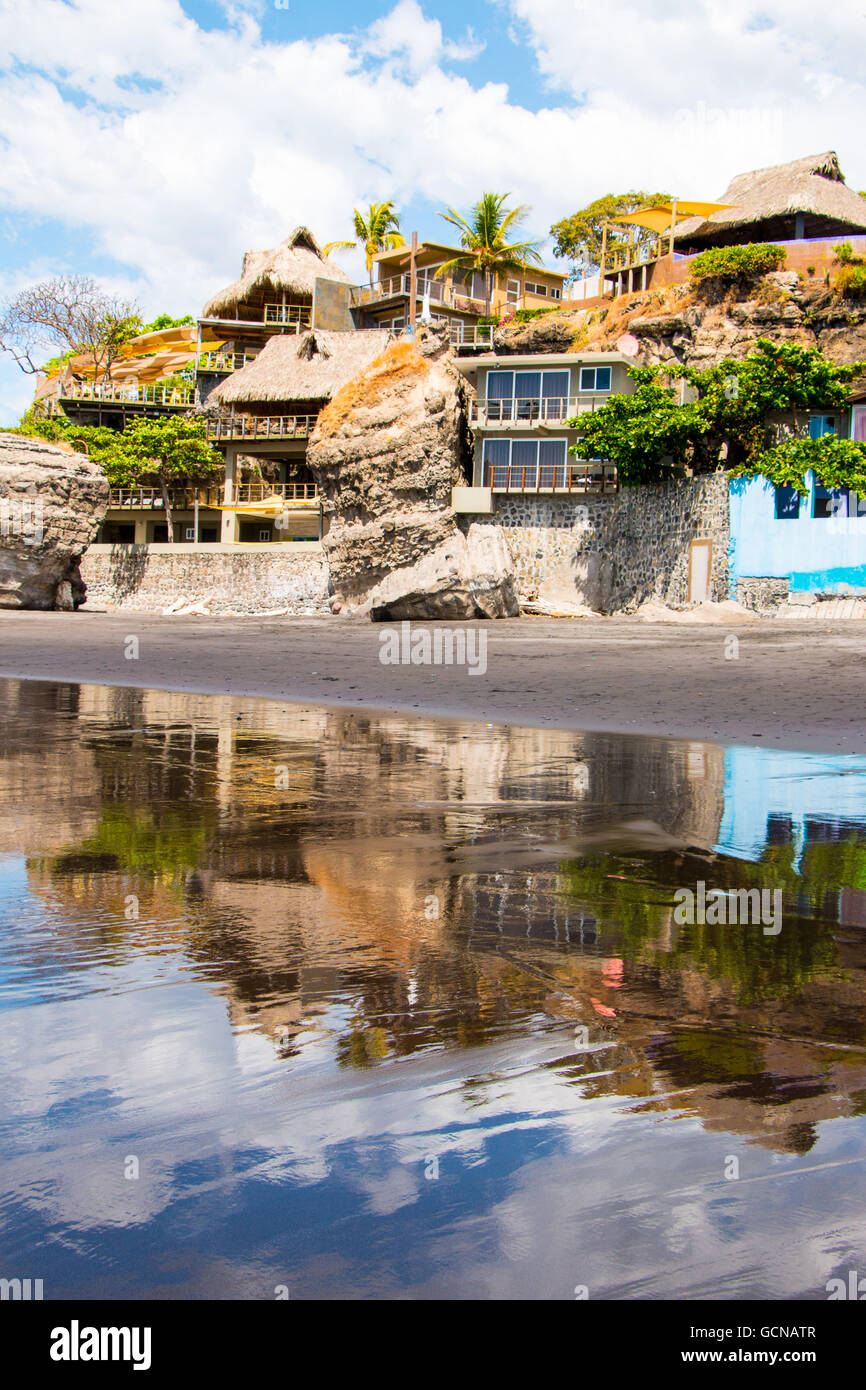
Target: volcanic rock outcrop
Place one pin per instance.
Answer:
(386, 452)
(700, 326)
(52, 501)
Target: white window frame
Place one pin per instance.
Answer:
(595, 390)
(510, 440)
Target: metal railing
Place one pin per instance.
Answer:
(471, 334)
(534, 410)
(225, 361)
(592, 475)
(127, 395)
(298, 315)
(261, 427)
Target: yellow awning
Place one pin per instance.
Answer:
(657, 217)
(269, 506)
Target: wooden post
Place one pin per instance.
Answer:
(673, 226)
(603, 256)
(195, 516)
(413, 281)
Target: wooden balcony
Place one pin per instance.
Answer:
(296, 316)
(584, 476)
(261, 427)
(149, 499)
(225, 362)
(442, 292)
(524, 412)
(110, 392)
(297, 493)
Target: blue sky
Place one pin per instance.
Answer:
(150, 143)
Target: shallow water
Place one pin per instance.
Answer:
(356, 1006)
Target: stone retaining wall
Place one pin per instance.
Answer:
(762, 594)
(230, 579)
(616, 551)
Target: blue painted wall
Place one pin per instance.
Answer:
(815, 554)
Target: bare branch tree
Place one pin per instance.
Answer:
(72, 313)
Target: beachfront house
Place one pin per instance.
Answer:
(462, 298)
(784, 543)
(518, 410)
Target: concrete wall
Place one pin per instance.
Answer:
(231, 578)
(813, 554)
(613, 552)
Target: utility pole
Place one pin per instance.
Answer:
(413, 283)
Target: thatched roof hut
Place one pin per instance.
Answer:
(805, 198)
(291, 268)
(310, 366)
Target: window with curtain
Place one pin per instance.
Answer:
(500, 395)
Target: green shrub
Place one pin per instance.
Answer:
(851, 281)
(736, 262)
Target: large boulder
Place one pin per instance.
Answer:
(387, 452)
(52, 501)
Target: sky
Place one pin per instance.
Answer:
(149, 143)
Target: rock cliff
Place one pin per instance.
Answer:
(700, 326)
(386, 452)
(52, 501)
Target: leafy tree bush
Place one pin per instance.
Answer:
(736, 262)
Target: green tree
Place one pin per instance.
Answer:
(579, 236)
(485, 235)
(729, 417)
(171, 450)
(376, 230)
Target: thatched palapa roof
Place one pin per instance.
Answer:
(303, 367)
(814, 186)
(291, 268)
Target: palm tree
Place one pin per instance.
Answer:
(485, 236)
(378, 231)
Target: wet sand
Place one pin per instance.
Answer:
(792, 685)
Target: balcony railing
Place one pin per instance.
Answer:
(290, 492)
(261, 427)
(471, 335)
(296, 315)
(151, 498)
(225, 361)
(127, 395)
(591, 475)
(523, 411)
(441, 292)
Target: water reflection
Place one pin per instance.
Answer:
(381, 1007)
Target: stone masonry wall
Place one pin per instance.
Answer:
(643, 534)
(235, 581)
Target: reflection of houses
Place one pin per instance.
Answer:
(459, 297)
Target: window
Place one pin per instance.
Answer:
(532, 288)
(595, 378)
(264, 533)
(787, 503)
(527, 395)
(525, 463)
(512, 291)
(555, 292)
(819, 425)
(189, 533)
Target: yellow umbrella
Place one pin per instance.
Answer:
(659, 217)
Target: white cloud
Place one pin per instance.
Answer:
(172, 149)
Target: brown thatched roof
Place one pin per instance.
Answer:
(302, 367)
(813, 185)
(293, 267)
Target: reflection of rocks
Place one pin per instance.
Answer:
(52, 501)
(387, 452)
